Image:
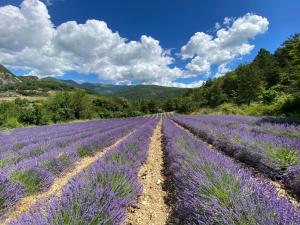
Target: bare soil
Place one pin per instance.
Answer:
(152, 208)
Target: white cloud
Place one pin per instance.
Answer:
(30, 41)
(193, 84)
(230, 42)
(217, 26)
(222, 70)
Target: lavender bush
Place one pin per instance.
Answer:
(212, 189)
(36, 172)
(277, 156)
(101, 193)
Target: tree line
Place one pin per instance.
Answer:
(271, 82)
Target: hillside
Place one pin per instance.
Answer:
(133, 92)
(7, 77)
(18, 86)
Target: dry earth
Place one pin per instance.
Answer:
(152, 208)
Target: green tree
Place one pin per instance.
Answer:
(81, 105)
(249, 84)
(60, 106)
(264, 64)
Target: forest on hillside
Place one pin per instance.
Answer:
(270, 85)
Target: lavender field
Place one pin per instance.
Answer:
(215, 170)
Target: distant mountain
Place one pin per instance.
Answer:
(31, 85)
(131, 92)
(7, 77)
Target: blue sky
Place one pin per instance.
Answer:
(172, 23)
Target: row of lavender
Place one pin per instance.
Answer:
(277, 156)
(212, 189)
(36, 172)
(101, 193)
(275, 126)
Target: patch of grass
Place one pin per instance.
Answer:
(286, 157)
(56, 165)
(186, 146)
(74, 216)
(63, 144)
(30, 179)
(14, 160)
(3, 163)
(119, 183)
(222, 189)
(132, 147)
(237, 139)
(2, 199)
(36, 151)
(118, 158)
(84, 151)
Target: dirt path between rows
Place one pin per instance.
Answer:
(279, 187)
(55, 189)
(152, 208)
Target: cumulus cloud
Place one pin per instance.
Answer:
(230, 42)
(30, 41)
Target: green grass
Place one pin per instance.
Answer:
(84, 151)
(237, 139)
(286, 157)
(118, 158)
(119, 183)
(52, 165)
(36, 151)
(74, 217)
(132, 147)
(3, 163)
(223, 189)
(2, 199)
(186, 146)
(14, 160)
(30, 179)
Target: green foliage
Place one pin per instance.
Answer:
(3, 163)
(270, 85)
(12, 123)
(36, 114)
(30, 179)
(268, 96)
(117, 158)
(248, 84)
(223, 189)
(286, 157)
(291, 106)
(73, 216)
(56, 165)
(120, 184)
(35, 87)
(84, 151)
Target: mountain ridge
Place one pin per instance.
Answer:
(130, 92)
